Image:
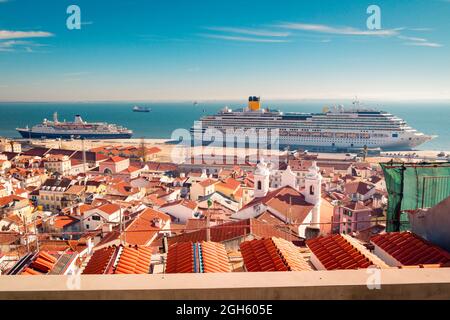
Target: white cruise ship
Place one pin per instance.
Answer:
(333, 129)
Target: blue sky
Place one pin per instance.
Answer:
(195, 50)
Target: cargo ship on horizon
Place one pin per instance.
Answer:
(75, 130)
(334, 129)
(141, 109)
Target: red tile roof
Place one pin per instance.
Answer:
(356, 205)
(195, 224)
(291, 255)
(184, 202)
(180, 258)
(154, 200)
(235, 229)
(142, 230)
(30, 272)
(63, 245)
(286, 200)
(134, 260)
(272, 254)
(8, 199)
(188, 257)
(207, 182)
(101, 261)
(9, 238)
(335, 252)
(261, 255)
(410, 249)
(109, 208)
(215, 258)
(43, 263)
(230, 183)
(358, 187)
(84, 207)
(64, 221)
(115, 159)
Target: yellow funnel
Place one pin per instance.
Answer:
(254, 103)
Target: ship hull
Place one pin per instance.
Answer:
(315, 144)
(44, 135)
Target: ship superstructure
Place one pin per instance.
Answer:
(76, 129)
(334, 128)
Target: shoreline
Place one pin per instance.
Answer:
(167, 146)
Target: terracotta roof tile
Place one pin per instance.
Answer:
(207, 182)
(115, 159)
(235, 229)
(134, 260)
(30, 272)
(187, 203)
(180, 258)
(272, 254)
(84, 207)
(142, 230)
(43, 264)
(291, 255)
(204, 257)
(109, 208)
(230, 183)
(101, 261)
(358, 187)
(261, 255)
(410, 249)
(215, 258)
(335, 252)
(63, 221)
(8, 199)
(287, 201)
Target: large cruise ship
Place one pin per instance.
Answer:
(75, 130)
(333, 129)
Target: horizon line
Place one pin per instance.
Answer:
(229, 99)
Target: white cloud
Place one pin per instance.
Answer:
(424, 44)
(242, 39)
(419, 42)
(7, 34)
(252, 32)
(19, 45)
(412, 39)
(12, 43)
(321, 28)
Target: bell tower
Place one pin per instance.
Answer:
(313, 192)
(261, 179)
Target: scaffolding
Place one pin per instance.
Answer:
(413, 186)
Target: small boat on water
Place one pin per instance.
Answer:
(141, 109)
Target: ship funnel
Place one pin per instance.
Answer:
(55, 117)
(254, 103)
(78, 119)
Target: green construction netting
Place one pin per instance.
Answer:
(412, 186)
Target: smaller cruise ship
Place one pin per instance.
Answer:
(75, 130)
